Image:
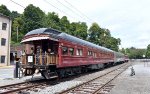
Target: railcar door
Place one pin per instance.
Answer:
(46, 52)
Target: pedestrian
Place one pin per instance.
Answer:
(132, 71)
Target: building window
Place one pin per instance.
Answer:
(3, 41)
(4, 26)
(65, 50)
(71, 51)
(79, 52)
(2, 59)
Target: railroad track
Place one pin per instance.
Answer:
(22, 87)
(25, 87)
(98, 85)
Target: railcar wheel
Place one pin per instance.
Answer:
(47, 74)
(42, 73)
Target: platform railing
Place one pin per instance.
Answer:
(45, 59)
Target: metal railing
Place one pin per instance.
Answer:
(45, 59)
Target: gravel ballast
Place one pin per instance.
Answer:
(68, 84)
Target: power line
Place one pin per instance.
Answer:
(70, 9)
(17, 3)
(57, 8)
(54, 7)
(79, 11)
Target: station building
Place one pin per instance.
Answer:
(5, 38)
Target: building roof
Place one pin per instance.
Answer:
(5, 16)
(61, 35)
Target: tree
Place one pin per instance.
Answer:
(33, 18)
(135, 53)
(94, 33)
(52, 20)
(148, 51)
(81, 30)
(112, 43)
(123, 50)
(17, 27)
(14, 14)
(105, 38)
(78, 29)
(4, 10)
(72, 28)
(102, 37)
(64, 24)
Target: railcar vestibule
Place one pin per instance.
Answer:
(44, 51)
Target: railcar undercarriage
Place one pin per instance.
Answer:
(50, 71)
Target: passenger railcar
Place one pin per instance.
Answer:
(54, 53)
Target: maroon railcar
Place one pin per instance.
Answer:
(54, 53)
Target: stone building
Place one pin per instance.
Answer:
(5, 38)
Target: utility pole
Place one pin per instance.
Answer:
(17, 33)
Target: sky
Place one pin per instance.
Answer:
(128, 20)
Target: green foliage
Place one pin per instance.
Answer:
(134, 53)
(14, 14)
(17, 24)
(4, 10)
(78, 29)
(33, 18)
(81, 30)
(95, 33)
(52, 20)
(64, 24)
(102, 37)
(111, 43)
(148, 51)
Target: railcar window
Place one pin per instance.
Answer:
(65, 50)
(90, 53)
(94, 54)
(71, 51)
(79, 52)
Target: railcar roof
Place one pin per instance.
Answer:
(61, 35)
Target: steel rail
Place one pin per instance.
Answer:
(19, 86)
(98, 91)
(73, 88)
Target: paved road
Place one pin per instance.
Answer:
(137, 84)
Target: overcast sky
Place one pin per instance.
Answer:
(128, 20)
